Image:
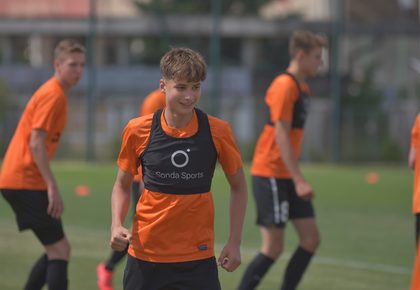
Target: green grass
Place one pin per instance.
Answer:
(367, 230)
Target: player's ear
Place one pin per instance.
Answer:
(162, 85)
(56, 64)
(300, 54)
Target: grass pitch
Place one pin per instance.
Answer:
(367, 230)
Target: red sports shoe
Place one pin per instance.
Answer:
(104, 277)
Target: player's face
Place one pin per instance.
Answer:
(69, 68)
(311, 62)
(181, 96)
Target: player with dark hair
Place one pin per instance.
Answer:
(26, 179)
(280, 190)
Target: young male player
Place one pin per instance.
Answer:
(414, 163)
(26, 179)
(171, 245)
(280, 190)
(105, 270)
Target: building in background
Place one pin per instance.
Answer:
(379, 49)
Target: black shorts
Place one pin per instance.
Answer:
(194, 275)
(30, 207)
(277, 202)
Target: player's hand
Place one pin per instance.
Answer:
(120, 238)
(55, 202)
(230, 257)
(304, 190)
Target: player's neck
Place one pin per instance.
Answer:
(63, 85)
(176, 120)
(295, 70)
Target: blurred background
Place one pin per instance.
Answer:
(364, 100)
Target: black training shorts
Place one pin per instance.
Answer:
(30, 207)
(277, 202)
(193, 275)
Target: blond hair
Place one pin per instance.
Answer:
(67, 46)
(306, 41)
(183, 64)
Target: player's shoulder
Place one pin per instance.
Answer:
(141, 121)
(219, 128)
(140, 124)
(284, 79)
(50, 89)
(217, 122)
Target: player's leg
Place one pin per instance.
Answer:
(193, 275)
(58, 256)
(272, 215)
(143, 275)
(105, 270)
(308, 243)
(302, 215)
(30, 207)
(415, 278)
(271, 248)
(50, 233)
(38, 275)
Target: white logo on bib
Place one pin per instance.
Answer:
(183, 164)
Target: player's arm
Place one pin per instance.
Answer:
(39, 152)
(282, 129)
(230, 257)
(120, 201)
(412, 157)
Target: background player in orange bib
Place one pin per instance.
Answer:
(26, 179)
(414, 163)
(280, 190)
(104, 271)
(171, 245)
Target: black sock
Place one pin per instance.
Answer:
(255, 272)
(295, 269)
(57, 275)
(115, 258)
(38, 275)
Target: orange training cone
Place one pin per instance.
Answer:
(82, 190)
(372, 177)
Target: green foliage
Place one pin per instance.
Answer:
(365, 122)
(363, 94)
(390, 151)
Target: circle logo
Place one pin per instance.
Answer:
(180, 158)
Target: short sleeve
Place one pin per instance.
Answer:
(227, 151)
(48, 110)
(281, 97)
(153, 102)
(134, 141)
(415, 131)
